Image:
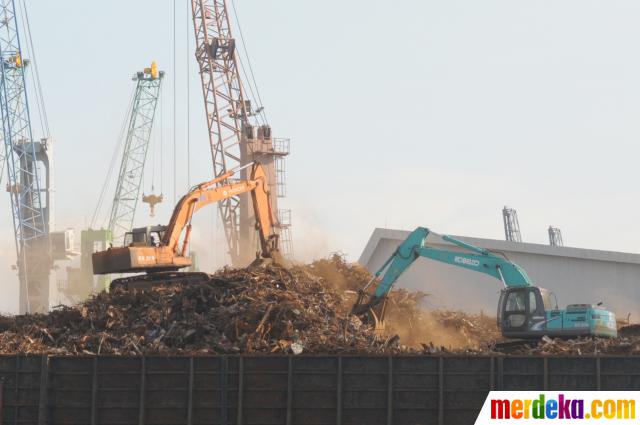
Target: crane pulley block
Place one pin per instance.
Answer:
(152, 200)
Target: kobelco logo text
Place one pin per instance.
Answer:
(467, 261)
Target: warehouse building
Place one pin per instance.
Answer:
(575, 275)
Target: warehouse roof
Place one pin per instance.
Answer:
(500, 245)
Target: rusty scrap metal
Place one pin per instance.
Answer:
(268, 310)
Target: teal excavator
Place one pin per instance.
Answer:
(524, 311)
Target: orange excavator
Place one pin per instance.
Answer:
(161, 251)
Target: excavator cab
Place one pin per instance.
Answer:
(528, 312)
(521, 310)
(145, 236)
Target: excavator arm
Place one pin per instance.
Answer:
(415, 246)
(208, 193)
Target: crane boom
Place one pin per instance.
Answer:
(21, 156)
(237, 134)
(143, 111)
(224, 102)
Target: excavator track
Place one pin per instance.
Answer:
(511, 346)
(148, 281)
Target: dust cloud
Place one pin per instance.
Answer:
(441, 328)
(9, 284)
(407, 316)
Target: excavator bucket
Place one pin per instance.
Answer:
(271, 256)
(379, 324)
(373, 310)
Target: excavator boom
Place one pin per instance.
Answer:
(479, 260)
(415, 246)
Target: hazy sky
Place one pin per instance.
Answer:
(433, 113)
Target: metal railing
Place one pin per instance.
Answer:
(281, 146)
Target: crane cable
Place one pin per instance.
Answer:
(246, 53)
(188, 103)
(42, 112)
(174, 105)
(161, 142)
(2, 168)
(114, 158)
(154, 145)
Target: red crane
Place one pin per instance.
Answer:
(234, 140)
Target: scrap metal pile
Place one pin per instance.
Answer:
(627, 343)
(266, 310)
(262, 310)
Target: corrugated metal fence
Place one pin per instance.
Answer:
(410, 390)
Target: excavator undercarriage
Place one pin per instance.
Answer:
(149, 280)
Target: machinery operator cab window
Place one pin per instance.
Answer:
(516, 309)
(518, 306)
(155, 239)
(144, 238)
(135, 239)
